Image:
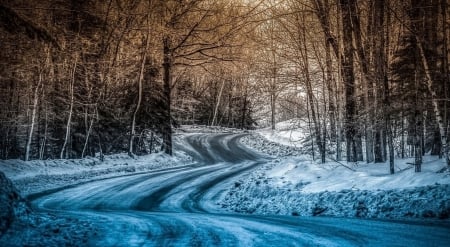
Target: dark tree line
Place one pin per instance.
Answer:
(93, 77)
(86, 77)
(393, 61)
(372, 76)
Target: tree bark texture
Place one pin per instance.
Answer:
(349, 80)
(167, 88)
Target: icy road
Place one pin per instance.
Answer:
(176, 207)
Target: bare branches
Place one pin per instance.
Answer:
(14, 23)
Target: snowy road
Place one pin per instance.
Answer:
(176, 207)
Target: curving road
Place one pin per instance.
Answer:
(176, 207)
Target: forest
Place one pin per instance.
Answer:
(371, 79)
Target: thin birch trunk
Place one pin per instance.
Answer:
(69, 119)
(272, 111)
(434, 100)
(33, 118)
(331, 92)
(309, 91)
(100, 149)
(329, 80)
(140, 89)
(417, 142)
(324, 119)
(339, 88)
(44, 141)
(216, 107)
(309, 127)
(87, 138)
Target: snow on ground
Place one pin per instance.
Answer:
(289, 184)
(12, 205)
(293, 184)
(39, 175)
(261, 144)
(297, 186)
(206, 129)
(46, 229)
(19, 224)
(290, 138)
(292, 132)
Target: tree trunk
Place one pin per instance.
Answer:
(244, 106)
(100, 149)
(379, 58)
(324, 120)
(310, 94)
(378, 149)
(391, 145)
(323, 14)
(349, 81)
(167, 88)
(331, 92)
(359, 147)
(86, 141)
(44, 140)
(33, 117)
(402, 129)
(446, 68)
(69, 119)
(366, 80)
(339, 90)
(309, 127)
(140, 88)
(417, 142)
(434, 100)
(216, 108)
(380, 6)
(317, 132)
(272, 110)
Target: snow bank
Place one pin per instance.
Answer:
(300, 187)
(206, 129)
(22, 227)
(257, 142)
(293, 132)
(39, 175)
(293, 184)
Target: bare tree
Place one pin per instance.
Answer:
(140, 87)
(33, 115)
(71, 103)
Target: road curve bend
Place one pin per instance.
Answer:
(176, 207)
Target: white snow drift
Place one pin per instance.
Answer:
(293, 184)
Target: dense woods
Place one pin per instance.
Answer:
(370, 78)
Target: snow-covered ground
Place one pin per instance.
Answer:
(294, 133)
(291, 138)
(289, 184)
(40, 175)
(293, 184)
